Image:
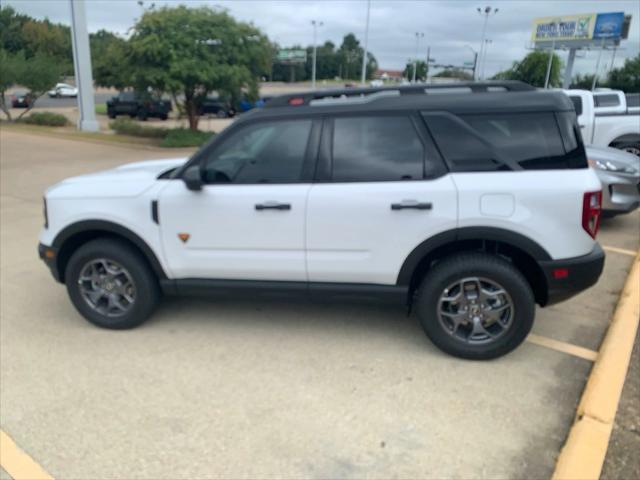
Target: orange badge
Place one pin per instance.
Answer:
(184, 237)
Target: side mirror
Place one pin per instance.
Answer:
(193, 178)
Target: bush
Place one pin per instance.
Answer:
(48, 119)
(183, 137)
(124, 126)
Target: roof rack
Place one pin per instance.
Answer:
(365, 94)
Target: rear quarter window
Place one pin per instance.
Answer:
(529, 141)
(609, 100)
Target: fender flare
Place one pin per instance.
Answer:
(112, 228)
(517, 240)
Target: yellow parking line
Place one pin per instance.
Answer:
(584, 452)
(18, 464)
(563, 347)
(623, 251)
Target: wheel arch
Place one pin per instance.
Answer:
(77, 234)
(524, 253)
(626, 138)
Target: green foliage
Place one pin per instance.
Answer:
(458, 73)
(533, 69)
(185, 137)
(626, 78)
(110, 62)
(10, 66)
(421, 71)
(125, 126)
(48, 119)
(193, 51)
(583, 82)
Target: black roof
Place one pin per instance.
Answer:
(458, 98)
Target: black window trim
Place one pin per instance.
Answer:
(324, 168)
(308, 164)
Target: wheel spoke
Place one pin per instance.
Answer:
(456, 319)
(114, 302)
(107, 287)
(478, 329)
(95, 296)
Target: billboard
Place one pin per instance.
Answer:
(580, 30)
(291, 56)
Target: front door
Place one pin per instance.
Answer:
(248, 220)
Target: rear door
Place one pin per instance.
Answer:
(380, 190)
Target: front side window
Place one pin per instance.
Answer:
(376, 149)
(267, 152)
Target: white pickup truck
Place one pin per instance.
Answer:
(606, 120)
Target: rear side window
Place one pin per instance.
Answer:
(376, 149)
(577, 104)
(531, 141)
(610, 100)
(633, 99)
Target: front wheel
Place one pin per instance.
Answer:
(630, 147)
(111, 285)
(475, 306)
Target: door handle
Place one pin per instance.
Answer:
(407, 204)
(273, 206)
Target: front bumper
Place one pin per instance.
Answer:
(49, 255)
(570, 276)
(620, 191)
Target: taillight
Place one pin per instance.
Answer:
(591, 212)
(295, 101)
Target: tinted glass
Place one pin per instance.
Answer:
(376, 149)
(272, 152)
(572, 138)
(606, 100)
(577, 104)
(127, 96)
(633, 99)
(502, 141)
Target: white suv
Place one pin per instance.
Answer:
(469, 203)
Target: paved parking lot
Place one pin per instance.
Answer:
(269, 388)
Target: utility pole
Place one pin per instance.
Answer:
(428, 59)
(419, 35)
(613, 57)
(549, 63)
(475, 61)
(363, 78)
(483, 63)
(486, 11)
(82, 67)
(315, 52)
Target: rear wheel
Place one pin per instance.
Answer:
(111, 285)
(221, 114)
(476, 306)
(631, 147)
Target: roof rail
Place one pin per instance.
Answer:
(361, 94)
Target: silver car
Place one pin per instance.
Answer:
(619, 173)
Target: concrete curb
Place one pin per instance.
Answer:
(584, 452)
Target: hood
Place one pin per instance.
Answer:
(617, 155)
(127, 180)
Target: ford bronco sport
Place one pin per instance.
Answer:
(470, 203)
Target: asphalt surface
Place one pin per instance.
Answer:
(46, 102)
(267, 388)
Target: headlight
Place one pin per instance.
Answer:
(612, 166)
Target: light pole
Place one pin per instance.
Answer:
(315, 52)
(419, 35)
(475, 60)
(595, 75)
(363, 78)
(555, 24)
(487, 42)
(486, 11)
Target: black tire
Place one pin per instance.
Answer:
(483, 266)
(164, 117)
(146, 288)
(111, 115)
(142, 115)
(631, 147)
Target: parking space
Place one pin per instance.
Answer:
(269, 388)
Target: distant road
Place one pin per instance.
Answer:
(45, 102)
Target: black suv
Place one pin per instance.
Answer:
(138, 105)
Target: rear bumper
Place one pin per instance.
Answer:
(49, 255)
(570, 276)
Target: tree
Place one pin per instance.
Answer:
(421, 72)
(350, 59)
(626, 78)
(533, 69)
(38, 74)
(582, 82)
(109, 60)
(458, 73)
(9, 74)
(190, 52)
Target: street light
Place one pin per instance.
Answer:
(315, 49)
(487, 42)
(366, 44)
(486, 11)
(419, 35)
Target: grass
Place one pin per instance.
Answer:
(124, 126)
(169, 137)
(101, 109)
(47, 119)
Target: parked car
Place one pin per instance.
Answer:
(469, 208)
(216, 106)
(138, 105)
(21, 100)
(606, 125)
(619, 173)
(63, 90)
(245, 104)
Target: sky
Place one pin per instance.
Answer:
(450, 27)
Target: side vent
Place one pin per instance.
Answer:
(154, 211)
